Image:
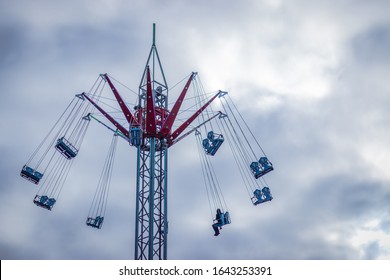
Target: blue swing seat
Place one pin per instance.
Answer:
(95, 222)
(261, 167)
(31, 174)
(261, 196)
(135, 136)
(66, 148)
(212, 143)
(223, 219)
(44, 201)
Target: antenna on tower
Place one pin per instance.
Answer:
(154, 34)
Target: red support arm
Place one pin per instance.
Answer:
(181, 128)
(129, 117)
(167, 126)
(111, 119)
(150, 109)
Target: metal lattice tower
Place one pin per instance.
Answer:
(151, 131)
(151, 206)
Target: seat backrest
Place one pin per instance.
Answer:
(265, 162)
(227, 218)
(255, 166)
(257, 193)
(206, 143)
(51, 201)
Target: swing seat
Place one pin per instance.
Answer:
(212, 143)
(135, 136)
(261, 196)
(31, 174)
(226, 218)
(223, 219)
(66, 148)
(261, 167)
(95, 222)
(44, 201)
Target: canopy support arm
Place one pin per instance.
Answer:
(117, 131)
(167, 126)
(181, 128)
(111, 119)
(129, 116)
(220, 114)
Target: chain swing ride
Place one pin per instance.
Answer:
(152, 127)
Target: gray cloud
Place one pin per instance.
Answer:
(372, 250)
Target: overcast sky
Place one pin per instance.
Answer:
(310, 77)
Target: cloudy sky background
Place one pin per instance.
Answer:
(311, 78)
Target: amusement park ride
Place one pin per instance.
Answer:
(152, 128)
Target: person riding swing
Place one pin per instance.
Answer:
(218, 222)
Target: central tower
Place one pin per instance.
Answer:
(152, 161)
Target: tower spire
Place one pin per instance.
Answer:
(154, 34)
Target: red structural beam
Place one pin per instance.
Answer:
(111, 119)
(167, 125)
(181, 128)
(129, 116)
(150, 125)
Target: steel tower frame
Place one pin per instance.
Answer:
(152, 167)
